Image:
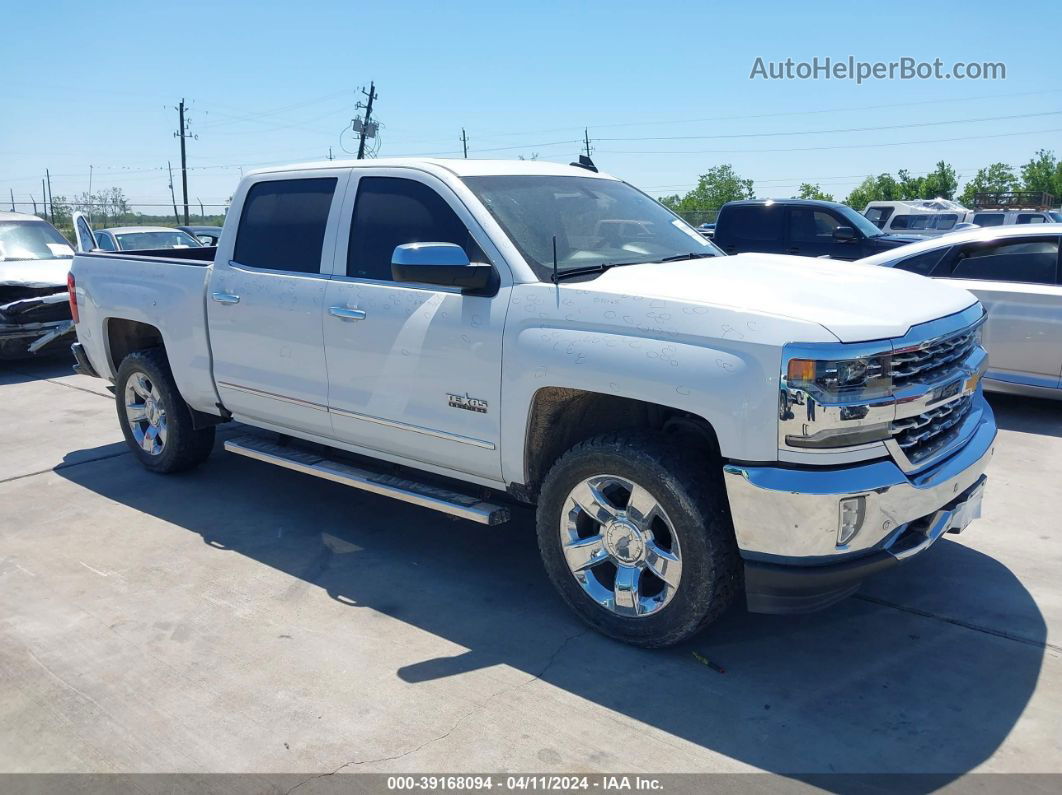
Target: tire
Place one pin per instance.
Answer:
(689, 525)
(155, 420)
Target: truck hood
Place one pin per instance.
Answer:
(854, 302)
(35, 273)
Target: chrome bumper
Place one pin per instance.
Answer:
(790, 516)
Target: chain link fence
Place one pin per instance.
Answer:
(698, 217)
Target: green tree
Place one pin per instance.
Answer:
(809, 191)
(1043, 173)
(996, 178)
(714, 189)
(909, 187)
(883, 187)
(941, 182)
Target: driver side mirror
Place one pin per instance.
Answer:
(845, 234)
(442, 264)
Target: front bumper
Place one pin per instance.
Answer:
(786, 520)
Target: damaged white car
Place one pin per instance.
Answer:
(34, 307)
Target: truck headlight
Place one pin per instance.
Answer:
(832, 380)
(829, 403)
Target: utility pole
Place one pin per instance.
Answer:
(586, 140)
(51, 207)
(330, 155)
(12, 199)
(173, 198)
(371, 94)
(44, 198)
(184, 160)
(34, 200)
(464, 142)
(202, 213)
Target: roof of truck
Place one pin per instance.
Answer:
(457, 166)
(975, 235)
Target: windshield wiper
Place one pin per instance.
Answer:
(600, 268)
(690, 255)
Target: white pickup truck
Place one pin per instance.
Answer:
(462, 334)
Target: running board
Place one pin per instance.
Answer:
(422, 494)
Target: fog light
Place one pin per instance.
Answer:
(852, 512)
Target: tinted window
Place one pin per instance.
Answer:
(878, 216)
(283, 224)
(1028, 261)
(922, 263)
(1030, 218)
(811, 226)
(988, 219)
(104, 242)
(172, 238)
(944, 221)
(752, 222)
(390, 212)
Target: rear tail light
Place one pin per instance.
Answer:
(71, 289)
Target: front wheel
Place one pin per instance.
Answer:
(636, 537)
(155, 419)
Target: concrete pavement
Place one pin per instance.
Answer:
(243, 618)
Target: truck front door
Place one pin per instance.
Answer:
(414, 370)
(266, 297)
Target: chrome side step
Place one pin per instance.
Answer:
(422, 494)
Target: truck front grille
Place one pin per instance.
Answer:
(923, 435)
(933, 361)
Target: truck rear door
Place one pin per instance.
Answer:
(266, 296)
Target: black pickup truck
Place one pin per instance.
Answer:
(805, 227)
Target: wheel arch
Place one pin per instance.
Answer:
(561, 417)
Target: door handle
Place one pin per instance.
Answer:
(343, 313)
(225, 298)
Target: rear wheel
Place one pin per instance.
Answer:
(636, 537)
(155, 420)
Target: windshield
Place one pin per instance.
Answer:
(170, 238)
(23, 240)
(595, 221)
(860, 222)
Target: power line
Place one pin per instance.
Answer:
(824, 148)
(841, 130)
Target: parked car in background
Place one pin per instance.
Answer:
(708, 230)
(688, 424)
(924, 216)
(1013, 217)
(140, 238)
(34, 265)
(207, 235)
(806, 227)
(1017, 274)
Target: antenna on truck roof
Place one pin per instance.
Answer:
(584, 161)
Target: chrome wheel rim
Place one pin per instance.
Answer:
(145, 413)
(620, 546)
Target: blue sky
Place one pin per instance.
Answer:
(95, 83)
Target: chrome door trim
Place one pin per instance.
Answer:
(262, 393)
(404, 426)
(225, 298)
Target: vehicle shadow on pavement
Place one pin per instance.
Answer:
(927, 671)
(1026, 414)
(22, 371)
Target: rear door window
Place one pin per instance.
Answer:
(753, 222)
(1029, 261)
(283, 224)
(390, 212)
(988, 219)
(922, 264)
